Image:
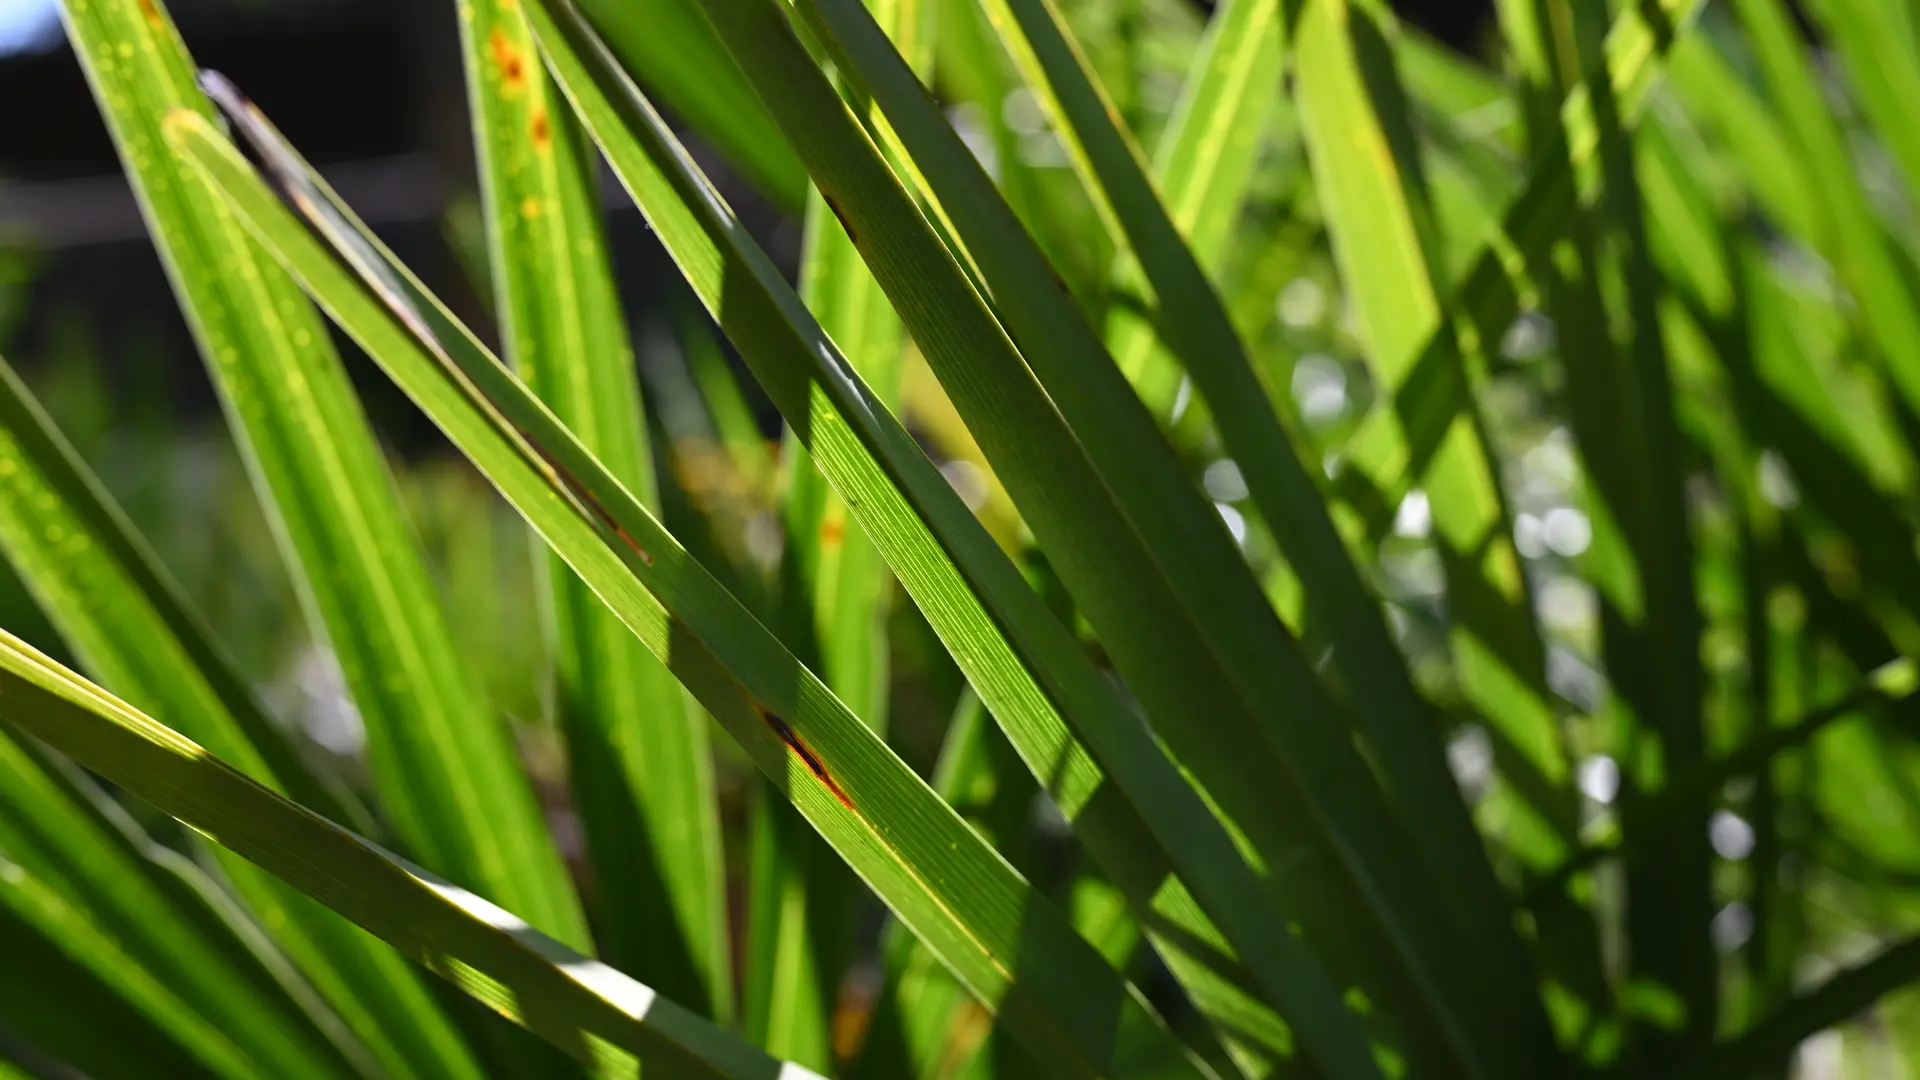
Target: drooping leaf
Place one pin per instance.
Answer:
(596, 1014)
(122, 615)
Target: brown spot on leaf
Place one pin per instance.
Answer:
(807, 757)
(542, 135)
(600, 512)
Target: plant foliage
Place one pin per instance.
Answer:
(1418, 553)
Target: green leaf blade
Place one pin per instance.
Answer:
(638, 750)
(1013, 950)
(1150, 485)
(673, 50)
(593, 1012)
(706, 243)
(1203, 164)
(119, 612)
(90, 892)
(443, 765)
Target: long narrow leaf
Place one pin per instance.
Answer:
(122, 616)
(443, 765)
(1433, 394)
(923, 1024)
(593, 1012)
(674, 49)
(1011, 948)
(1203, 163)
(640, 761)
(69, 876)
(1386, 242)
(1111, 425)
(834, 605)
(1660, 671)
(56, 1010)
(1401, 733)
(728, 274)
(1862, 252)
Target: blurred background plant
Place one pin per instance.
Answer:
(1632, 471)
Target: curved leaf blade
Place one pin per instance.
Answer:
(593, 1012)
(120, 613)
(90, 889)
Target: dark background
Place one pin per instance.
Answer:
(370, 90)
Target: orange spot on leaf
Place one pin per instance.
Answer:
(151, 12)
(507, 57)
(542, 134)
(832, 532)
